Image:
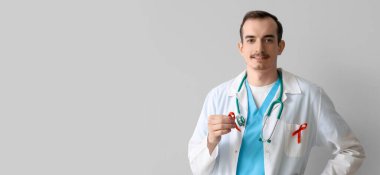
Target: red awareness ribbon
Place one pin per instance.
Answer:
(298, 132)
(231, 115)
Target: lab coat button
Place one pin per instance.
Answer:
(235, 151)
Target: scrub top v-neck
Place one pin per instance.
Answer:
(251, 155)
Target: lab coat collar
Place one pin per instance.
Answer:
(289, 80)
(290, 85)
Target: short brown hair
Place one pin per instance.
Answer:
(258, 14)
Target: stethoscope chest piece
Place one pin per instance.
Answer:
(240, 120)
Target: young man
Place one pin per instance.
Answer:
(234, 135)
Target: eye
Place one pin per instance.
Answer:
(268, 40)
(250, 41)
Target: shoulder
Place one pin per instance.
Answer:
(229, 87)
(308, 86)
(222, 89)
(305, 86)
(217, 97)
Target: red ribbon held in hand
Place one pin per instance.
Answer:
(231, 115)
(298, 132)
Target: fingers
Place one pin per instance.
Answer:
(218, 125)
(221, 132)
(220, 119)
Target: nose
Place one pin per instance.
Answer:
(259, 46)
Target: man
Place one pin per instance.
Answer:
(233, 134)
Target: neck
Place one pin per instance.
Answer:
(261, 77)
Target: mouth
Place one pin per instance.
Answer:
(260, 58)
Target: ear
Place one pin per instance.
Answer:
(281, 47)
(240, 47)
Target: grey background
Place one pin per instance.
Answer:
(116, 87)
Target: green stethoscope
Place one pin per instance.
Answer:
(240, 121)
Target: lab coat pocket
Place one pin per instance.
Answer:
(296, 139)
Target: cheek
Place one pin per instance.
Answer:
(273, 51)
(247, 56)
(246, 51)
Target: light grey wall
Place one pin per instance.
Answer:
(116, 87)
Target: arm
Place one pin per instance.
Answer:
(201, 161)
(203, 145)
(333, 132)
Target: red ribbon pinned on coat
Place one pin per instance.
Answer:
(298, 132)
(231, 115)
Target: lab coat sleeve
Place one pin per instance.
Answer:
(333, 132)
(201, 162)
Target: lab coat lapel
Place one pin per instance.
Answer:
(290, 87)
(243, 100)
(241, 95)
(290, 84)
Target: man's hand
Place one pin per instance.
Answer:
(218, 125)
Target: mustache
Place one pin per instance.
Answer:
(261, 54)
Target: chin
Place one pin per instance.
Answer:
(260, 68)
(257, 67)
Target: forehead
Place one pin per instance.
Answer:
(260, 27)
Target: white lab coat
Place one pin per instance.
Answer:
(304, 102)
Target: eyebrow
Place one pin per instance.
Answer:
(266, 36)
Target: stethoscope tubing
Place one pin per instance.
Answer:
(272, 107)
